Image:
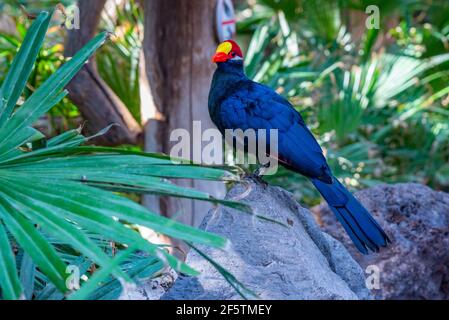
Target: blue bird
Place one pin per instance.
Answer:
(236, 102)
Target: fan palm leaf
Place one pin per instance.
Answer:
(57, 188)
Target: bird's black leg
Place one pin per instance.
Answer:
(260, 170)
(257, 174)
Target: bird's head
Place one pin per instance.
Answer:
(227, 50)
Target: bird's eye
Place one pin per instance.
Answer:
(233, 53)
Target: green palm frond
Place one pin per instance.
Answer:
(55, 194)
(377, 100)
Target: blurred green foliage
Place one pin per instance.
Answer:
(376, 99)
(117, 61)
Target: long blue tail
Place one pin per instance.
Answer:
(361, 227)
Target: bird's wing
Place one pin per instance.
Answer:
(255, 106)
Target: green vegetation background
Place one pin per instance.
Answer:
(377, 99)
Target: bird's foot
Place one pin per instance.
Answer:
(261, 170)
(257, 178)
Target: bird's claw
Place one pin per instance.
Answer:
(256, 178)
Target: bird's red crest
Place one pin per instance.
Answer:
(235, 48)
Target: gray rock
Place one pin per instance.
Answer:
(291, 261)
(416, 218)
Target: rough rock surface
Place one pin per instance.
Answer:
(291, 261)
(416, 218)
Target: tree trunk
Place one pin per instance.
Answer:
(178, 43)
(96, 101)
(7, 24)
